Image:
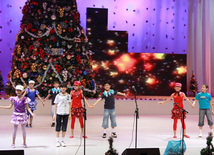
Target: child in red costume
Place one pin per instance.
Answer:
(76, 108)
(176, 112)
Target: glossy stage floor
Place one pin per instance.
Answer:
(154, 131)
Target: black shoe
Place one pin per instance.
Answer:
(26, 125)
(30, 125)
(53, 124)
(104, 135)
(113, 134)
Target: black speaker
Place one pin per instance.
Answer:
(142, 151)
(11, 152)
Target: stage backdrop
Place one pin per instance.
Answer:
(138, 26)
(201, 42)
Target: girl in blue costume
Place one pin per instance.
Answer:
(32, 93)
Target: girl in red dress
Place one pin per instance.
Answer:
(176, 113)
(76, 108)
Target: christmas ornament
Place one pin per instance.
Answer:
(44, 67)
(65, 74)
(18, 49)
(24, 75)
(33, 67)
(17, 73)
(61, 12)
(68, 57)
(39, 78)
(70, 68)
(53, 17)
(44, 5)
(59, 28)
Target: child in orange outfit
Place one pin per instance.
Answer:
(176, 113)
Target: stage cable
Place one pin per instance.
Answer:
(79, 144)
(132, 131)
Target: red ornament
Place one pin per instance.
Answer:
(22, 26)
(54, 39)
(42, 53)
(29, 26)
(70, 30)
(90, 58)
(33, 30)
(39, 39)
(78, 59)
(31, 47)
(78, 71)
(58, 68)
(25, 9)
(52, 31)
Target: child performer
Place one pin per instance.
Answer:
(205, 108)
(19, 115)
(62, 113)
(53, 92)
(31, 93)
(76, 108)
(109, 108)
(176, 113)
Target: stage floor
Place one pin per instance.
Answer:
(154, 131)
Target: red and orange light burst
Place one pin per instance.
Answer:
(148, 66)
(146, 56)
(111, 52)
(110, 42)
(95, 66)
(113, 74)
(152, 81)
(125, 63)
(159, 56)
(121, 81)
(105, 65)
(180, 70)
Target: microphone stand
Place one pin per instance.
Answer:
(183, 110)
(137, 117)
(85, 118)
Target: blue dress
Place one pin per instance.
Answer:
(32, 95)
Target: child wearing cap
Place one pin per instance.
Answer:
(176, 112)
(76, 108)
(205, 108)
(31, 93)
(19, 115)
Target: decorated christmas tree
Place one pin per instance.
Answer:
(51, 45)
(1, 83)
(9, 90)
(193, 85)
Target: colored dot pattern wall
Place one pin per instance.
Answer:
(154, 26)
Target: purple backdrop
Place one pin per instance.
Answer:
(155, 26)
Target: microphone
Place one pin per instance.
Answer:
(133, 87)
(175, 103)
(82, 88)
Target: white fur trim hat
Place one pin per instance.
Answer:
(19, 87)
(31, 81)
